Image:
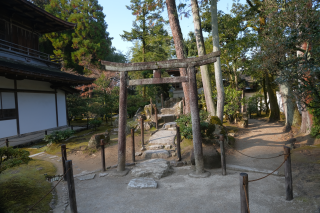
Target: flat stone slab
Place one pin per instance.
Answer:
(86, 177)
(142, 183)
(169, 125)
(103, 174)
(160, 153)
(162, 137)
(155, 147)
(156, 168)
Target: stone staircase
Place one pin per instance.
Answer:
(161, 144)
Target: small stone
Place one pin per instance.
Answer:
(83, 148)
(108, 167)
(173, 154)
(138, 153)
(155, 147)
(86, 177)
(103, 174)
(167, 146)
(143, 148)
(142, 183)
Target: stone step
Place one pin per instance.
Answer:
(161, 153)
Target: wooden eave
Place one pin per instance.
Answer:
(28, 15)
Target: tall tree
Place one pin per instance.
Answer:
(89, 40)
(179, 46)
(217, 64)
(201, 51)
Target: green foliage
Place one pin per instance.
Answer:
(76, 106)
(315, 129)
(88, 42)
(185, 124)
(57, 136)
(10, 157)
(95, 123)
(232, 102)
(23, 185)
(134, 102)
(215, 120)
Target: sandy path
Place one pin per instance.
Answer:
(260, 140)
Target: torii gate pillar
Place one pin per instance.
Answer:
(122, 122)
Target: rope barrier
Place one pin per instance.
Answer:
(245, 191)
(255, 157)
(271, 172)
(48, 192)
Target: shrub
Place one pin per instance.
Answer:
(185, 124)
(58, 136)
(10, 157)
(215, 120)
(95, 123)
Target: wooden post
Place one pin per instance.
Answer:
(288, 174)
(103, 159)
(223, 158)
(7, 142)
(71, 127)
(46, 132)
(244, 193)
(122, 122)
(197, 144)
(142, 132)
(64, 159)
(156, 116)
(161, 100)
(71, 189)
(178, 143)
(183, 108)
(133, 148)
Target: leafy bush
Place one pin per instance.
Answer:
(315, 129)
(185, 124)
(232, 102)
(10, 157)
(95, 123)
(58, 136)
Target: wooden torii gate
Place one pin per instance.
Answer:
(188, 63)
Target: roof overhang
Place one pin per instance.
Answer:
(41, 21)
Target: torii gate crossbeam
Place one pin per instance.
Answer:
(188, 63)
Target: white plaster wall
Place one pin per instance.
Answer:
(34, 85)
(8, 128)
(61, 102)
(6, 83)
(36, 111)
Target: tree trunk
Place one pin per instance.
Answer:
(265, 95)
(217, 64)
(201, 51)
(306, 120)
(288, 108)
(296, 116)
(234, 69)
(275, 112)
(179, 46)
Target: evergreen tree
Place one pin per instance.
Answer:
(88, 41)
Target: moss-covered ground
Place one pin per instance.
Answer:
(23, 186)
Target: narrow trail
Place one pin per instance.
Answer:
(262, 140)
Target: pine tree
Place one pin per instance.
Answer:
(88, 41)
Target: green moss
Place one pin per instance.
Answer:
(215, 120)
(232, 140)
(21, 187)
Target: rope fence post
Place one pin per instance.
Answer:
(161, 100)
(133, 148)
(223, 156)
(46, 132)
(71, 127)
(142, 131)
(156, 116)
(64, 159)
(244, 193)
(103, 159)
(288, 174)
(7, 142)
(178, 143)
(71, 188)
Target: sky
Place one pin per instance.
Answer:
(120, 19)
